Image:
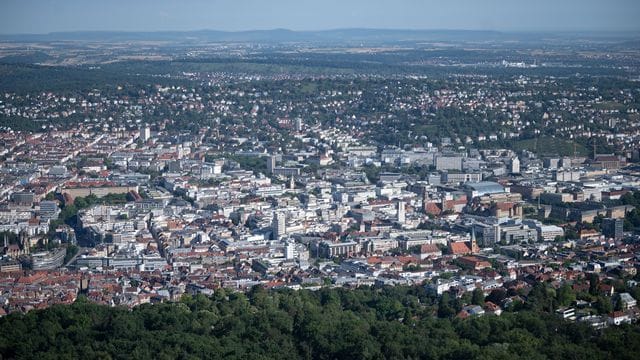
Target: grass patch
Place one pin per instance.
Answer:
(550, 146)
(609, 105)
(309, 88)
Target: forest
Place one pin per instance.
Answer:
(362, 323)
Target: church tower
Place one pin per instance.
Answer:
(24, 243)
(474, 244)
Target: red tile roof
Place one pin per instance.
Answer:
(459, 247)
(429, 249)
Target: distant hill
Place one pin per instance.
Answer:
(284, 35)
(27, 58)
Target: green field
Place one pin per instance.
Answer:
(609, 105)
(550, 146)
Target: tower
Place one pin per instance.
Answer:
(474, 243)
(425, 198)
(24, 242)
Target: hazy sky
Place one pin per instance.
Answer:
(42, 16)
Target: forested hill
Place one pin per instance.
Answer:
(369, 323)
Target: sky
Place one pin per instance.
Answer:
(44, 16)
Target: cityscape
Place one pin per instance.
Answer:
(216, 186)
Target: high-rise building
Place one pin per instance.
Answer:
(490, 233)
(401, 215)
(145, 133)
(278, 225)
(514, 167)
(271, 163)
(289, 250)
(613, 228)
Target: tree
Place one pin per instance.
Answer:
(594, 281)
(328, 324)
(497, 296)
(80, 202)
(445, 309)
(565, 295)
(477, 297)
(603, 305)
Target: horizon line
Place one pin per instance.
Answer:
(521, 31)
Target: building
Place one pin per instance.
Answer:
(48, 260)
(473, 310)
(49, 210)
(145, 133)
(473, 263)
(271, 163)
(401, 212)
(286, 171)
(10, 266)
(608, 162)
(567, 313)
(289, 250)
(627, 301)
(430, 251)
(380, 245)
(545, 232)
(23, 198)
(278, 226)
(328, 250)
(596, 322)
(463, 247)
(100, 190)
(514, 166)
(483, 188)
(618, 318)
(448, 163)
(440, 286)
(489, 233)
(458, 178)
(506, 210)
(613, 228)
(566, 176)
(517, 233)
(551, 163)
(549, 232)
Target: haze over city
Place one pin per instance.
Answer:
(44, 16)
